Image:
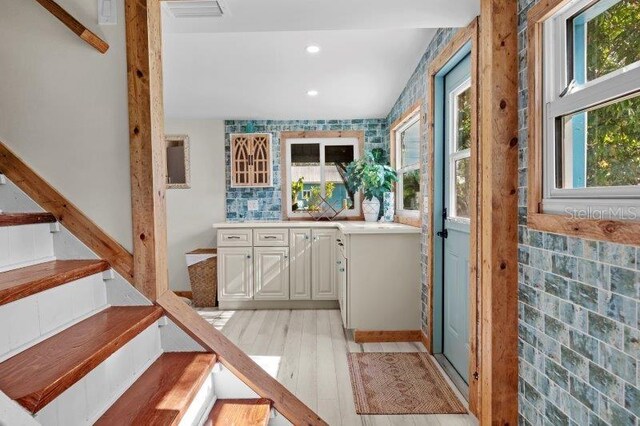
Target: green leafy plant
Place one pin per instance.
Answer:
(372, 177)
(296, 189)
(314, 201)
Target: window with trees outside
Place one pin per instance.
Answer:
(591, 110)
(407, 164)
(316, 176)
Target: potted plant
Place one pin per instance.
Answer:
(296, 189)
(374, 178)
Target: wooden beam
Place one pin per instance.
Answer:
(66, 213)
(498, 130)
(147, 146)
(238, 362)
(74, 25)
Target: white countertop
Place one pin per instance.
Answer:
(347, 227)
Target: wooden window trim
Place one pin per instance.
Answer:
(312, 134)
(618, 231)
(460, 39)
(402, 216)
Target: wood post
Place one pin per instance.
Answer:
(498, 129)
(147, 146)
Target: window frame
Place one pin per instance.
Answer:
(565, 222)
(455, 155)
(323, 142)
(561, 99)
(410, 117)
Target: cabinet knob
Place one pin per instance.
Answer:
(248, 256)
(341, 269)
(286, 256)
(339, 262)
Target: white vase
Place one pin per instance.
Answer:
(371, 209)
(388, 206)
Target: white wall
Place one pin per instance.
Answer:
(192, 212)
(63, 107)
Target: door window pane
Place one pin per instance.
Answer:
(336, 159)
(605, 39)
(462, 181)
(411, 190)
(600, 147)
(463, 111)
(305, 176)
(410, 145)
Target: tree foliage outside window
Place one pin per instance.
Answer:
(613, 131)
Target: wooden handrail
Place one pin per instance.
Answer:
(237, 361)
(66, 213)
(74, 25)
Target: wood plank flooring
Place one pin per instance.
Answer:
(313, 348)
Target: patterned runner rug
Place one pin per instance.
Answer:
(400, 383)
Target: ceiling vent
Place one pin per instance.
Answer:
(197, 8)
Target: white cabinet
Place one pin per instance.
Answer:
(323, 260)
(300, 264)
(271, 268)
(235, 273)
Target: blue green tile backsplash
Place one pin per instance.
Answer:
(269, 199)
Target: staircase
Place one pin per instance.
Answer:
(70, 355)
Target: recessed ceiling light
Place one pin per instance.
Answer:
(312, 93)
(313, 49)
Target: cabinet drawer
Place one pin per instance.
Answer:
(235, 238)
(270, 237)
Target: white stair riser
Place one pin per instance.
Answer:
(201, 405)
(25, 245)
(228, 386)
(28, 321)
(89, 398)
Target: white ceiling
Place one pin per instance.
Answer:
(253, 64)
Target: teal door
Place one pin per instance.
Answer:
(455, 214)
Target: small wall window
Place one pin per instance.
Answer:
(591, 109)
(405, 137)
(178, 162)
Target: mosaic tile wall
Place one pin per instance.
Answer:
(416, 89)
(269, 199)
(579, 302)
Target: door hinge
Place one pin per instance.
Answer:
(476, 376)
(444, 213)
(444, 233)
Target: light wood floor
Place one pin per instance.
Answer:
(313, 350)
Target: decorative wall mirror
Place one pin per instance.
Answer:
(178, 162)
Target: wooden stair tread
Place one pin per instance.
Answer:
(163, 393)
(13, 219)
(23, 282)
(240, 412)
(37, 375)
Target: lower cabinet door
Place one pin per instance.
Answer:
(300, 265)
(235, 273)
(271, 273)
(323, 263)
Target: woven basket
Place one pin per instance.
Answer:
(204, 282)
